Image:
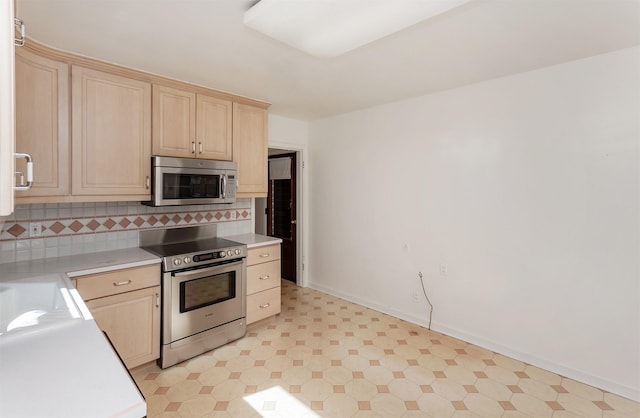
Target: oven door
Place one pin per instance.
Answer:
(204, 298)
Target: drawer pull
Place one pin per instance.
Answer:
(265, 306)
(126, 282)
(157, 300)
(264, 255)
(264, 277)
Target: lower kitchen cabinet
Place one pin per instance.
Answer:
(126, 306)
(263, 282)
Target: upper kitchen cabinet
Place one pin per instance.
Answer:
(91, 127)
(111, 134)
(188, 124)
(42, 123)
(250, 149)
(7, 107)
(213, 128)
(174, 122)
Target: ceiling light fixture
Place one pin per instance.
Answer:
(328, 28)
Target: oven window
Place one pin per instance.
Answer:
(198, 293)
(190, 186)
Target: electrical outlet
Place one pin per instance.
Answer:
(415, 297)
(35, 229)
(444, 269)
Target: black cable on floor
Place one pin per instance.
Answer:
(426, 297)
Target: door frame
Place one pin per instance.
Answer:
(302, 207)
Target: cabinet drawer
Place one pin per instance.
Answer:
(114, 282)
(263, 254)
(263, 304)
(263, 276)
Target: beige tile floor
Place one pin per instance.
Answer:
(326, 357)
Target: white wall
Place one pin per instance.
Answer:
(526, 187)
(287, 131)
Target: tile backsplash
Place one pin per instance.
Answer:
(58, 229)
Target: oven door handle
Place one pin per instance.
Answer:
(204, 270)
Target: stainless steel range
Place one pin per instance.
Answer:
(203, 290)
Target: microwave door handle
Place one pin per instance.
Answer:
(223, 181)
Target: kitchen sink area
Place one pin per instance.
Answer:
(32, 304)
(55, 361)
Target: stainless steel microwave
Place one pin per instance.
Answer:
(190, 181)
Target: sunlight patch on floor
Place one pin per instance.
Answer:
(277, 402)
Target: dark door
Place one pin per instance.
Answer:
(281, 210)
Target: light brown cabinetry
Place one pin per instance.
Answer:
(42, 123)
(7, 107)
(188, 124)
(263, 282)
(92, 126)
(111, 131)
(126, 306)
(250, 149)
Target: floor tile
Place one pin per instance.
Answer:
(326, 357)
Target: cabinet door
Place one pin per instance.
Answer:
(250, 149)
(174, 122)
(7, 107)
(214, 128)
(42, 122)
(111, 134)
(132, 322)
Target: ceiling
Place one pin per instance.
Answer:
(205, 42)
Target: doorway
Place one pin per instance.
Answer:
(280, 209)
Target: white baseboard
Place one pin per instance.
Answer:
(529, 358)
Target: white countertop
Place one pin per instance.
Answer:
(254, 240)
(54, 360)
(82, 264)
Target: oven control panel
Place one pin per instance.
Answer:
(195, 259)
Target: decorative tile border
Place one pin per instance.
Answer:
(73, 226)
